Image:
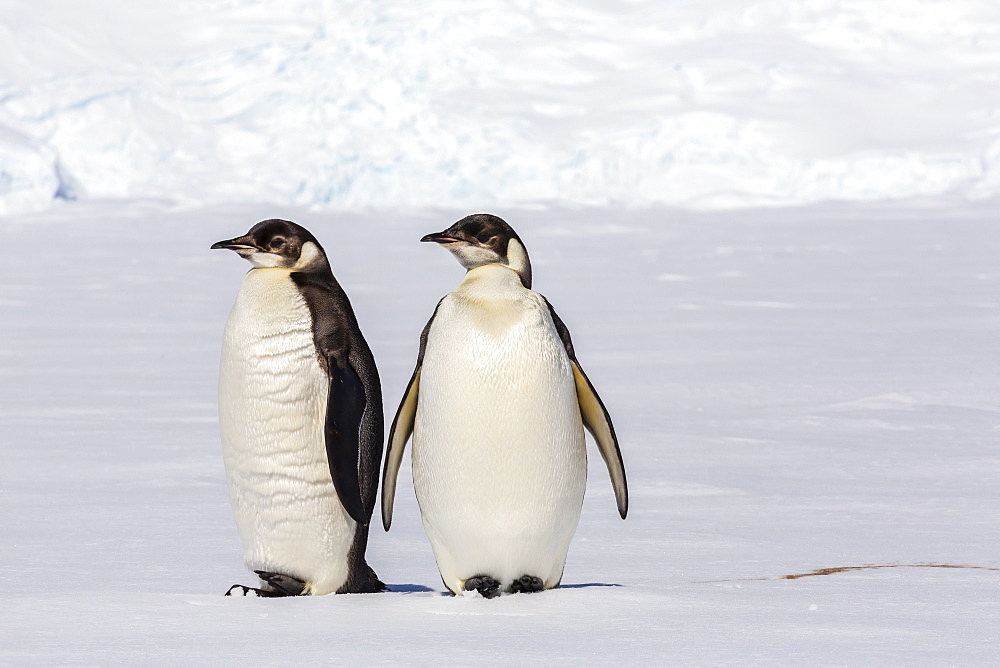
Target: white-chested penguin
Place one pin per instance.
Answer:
(300, 411)
(497, 406)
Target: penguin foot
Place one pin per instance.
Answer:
(264, 593)
(282, 585)
(484, 584)
(527, 584)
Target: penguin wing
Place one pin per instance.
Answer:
(402, 427)
(372, 438)
(596, 418)
(346, 430)
(345, 409)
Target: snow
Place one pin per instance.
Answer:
(770, 226)
(363, 104)
(819, 391)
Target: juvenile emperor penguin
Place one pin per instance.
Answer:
(300, 411)
(497, 406)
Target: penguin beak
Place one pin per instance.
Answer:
(440, 238)
(238, 244)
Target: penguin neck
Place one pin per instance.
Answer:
(268, 274)
(269, 271)
(491, 280)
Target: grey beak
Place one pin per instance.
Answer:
(239, 243)
(440, 238)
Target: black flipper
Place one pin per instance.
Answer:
(402, 427)
(353, 429)
(596, 419)
(344, 411)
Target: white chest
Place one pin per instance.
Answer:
(494, 357)
(270, 375)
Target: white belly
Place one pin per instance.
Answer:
(499, 459)
(272, 407)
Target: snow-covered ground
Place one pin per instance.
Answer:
(794, 389)
(484, 103)
(809, 390)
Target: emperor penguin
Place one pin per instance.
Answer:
(300, 414)
(497, 407)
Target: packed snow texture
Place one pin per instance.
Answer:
(800, 388)
(479, 103)
(794, 389)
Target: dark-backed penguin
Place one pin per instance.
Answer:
(497, 407)
(300, 412)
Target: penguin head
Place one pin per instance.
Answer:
(278, 243)
(485, 239)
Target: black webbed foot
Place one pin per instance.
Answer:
(264, 593)
(527, 584)
(484, 584)
(282, 585)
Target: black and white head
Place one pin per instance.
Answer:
(278, 243)
(485, 239)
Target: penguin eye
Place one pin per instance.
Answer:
(483, 237)
(277, 243)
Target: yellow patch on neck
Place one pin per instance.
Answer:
(493, 273)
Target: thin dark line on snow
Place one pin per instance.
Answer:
(847, 569)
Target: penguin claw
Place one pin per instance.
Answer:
(263, 593)
(484, 584)
(246, 590)
(527, 584)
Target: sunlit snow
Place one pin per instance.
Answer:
(807, 395)
(473, 104)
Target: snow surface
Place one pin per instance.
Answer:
(485, 103)
(799, 388)
(794, 389)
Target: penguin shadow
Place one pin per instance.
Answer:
(408, 588)
(416, 588)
